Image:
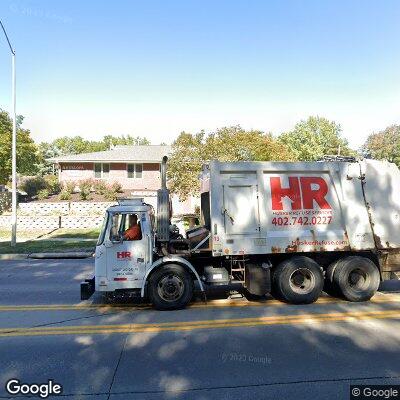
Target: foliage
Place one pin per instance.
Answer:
(27, 152)
(384, 145)
(190, 152)
(52, 184)
(69, 187)
(85, 188)
(77, 144)
(99, 187)
(43, 194)
(65, 195)
(310, 140)
(123, 140)
(116, 187)
(84, 195)
(110, 194)
(5, 201)
(32, 185)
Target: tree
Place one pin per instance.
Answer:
(77, 145)
(190, 152)
(124, 140)
(384, 145)
(310, 140)
(27, 152)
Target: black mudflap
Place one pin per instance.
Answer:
(87, 289)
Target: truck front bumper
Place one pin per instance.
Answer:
(87, 288)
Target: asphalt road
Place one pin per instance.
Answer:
(219, 350)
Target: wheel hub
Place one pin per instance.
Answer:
(357, 279)
(170, 287)
(302, 281)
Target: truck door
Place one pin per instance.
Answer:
(128, 256)
(241, 208)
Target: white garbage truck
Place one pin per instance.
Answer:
(290, 229)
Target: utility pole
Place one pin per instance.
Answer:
(14, 145)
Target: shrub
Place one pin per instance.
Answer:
(116, 187)
(65, 195)
(110, 194)
(99, 187)
(52, 184)
(84, 195)
(5, 201)
(69, 187)
(33, 185)
(85, 187)
(43, 194)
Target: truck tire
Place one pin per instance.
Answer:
(357, 278)
(170, 287)
(298, 280)
(330, 287)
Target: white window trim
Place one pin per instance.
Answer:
(134, 170)
(102, 170)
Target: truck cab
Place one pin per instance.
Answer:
(121, 260)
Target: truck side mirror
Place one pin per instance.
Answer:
(117, 239)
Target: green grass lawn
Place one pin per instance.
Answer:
(75, 233)
(46, 246)
(25, 235)
(35, 244)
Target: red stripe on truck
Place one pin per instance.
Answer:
(120, 279)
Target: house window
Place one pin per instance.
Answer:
(101, 170)
(135, 170)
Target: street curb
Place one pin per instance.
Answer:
(44, 256)
(66, 255)
(13, 256)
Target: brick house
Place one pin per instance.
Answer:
(136, 168)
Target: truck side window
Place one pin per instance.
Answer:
(133, 229)
(115, 227)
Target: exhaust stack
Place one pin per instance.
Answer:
(164, 172)
(163, 206)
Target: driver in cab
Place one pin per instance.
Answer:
(133, 232)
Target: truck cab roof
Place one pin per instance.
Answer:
(129, 205)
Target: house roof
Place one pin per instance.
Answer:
(147, 153)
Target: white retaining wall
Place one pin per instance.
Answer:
(48, 223)
(89, 207)
(80, 222)
(63, 208)
(72, 215)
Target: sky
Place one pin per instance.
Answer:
(156, 68)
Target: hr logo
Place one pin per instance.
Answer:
(123, 255)
(303, 192)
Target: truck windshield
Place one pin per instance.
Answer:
(102, 234)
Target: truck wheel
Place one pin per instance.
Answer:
(357, 278)
(170, 287)
(298, 280)
(330, 287)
